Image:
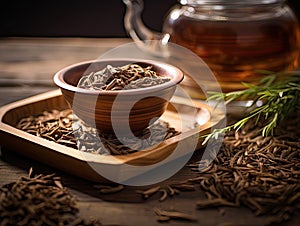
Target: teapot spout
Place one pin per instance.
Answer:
(145, 38)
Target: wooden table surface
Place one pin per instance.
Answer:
(27, 66)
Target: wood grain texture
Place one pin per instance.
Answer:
(34, 59)
(76, 163)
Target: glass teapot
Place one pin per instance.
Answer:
(235, 38)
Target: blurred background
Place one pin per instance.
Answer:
(79, 18)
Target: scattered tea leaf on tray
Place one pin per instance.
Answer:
(173, 215)
(57, 126)
(149, 192)
(110, 190)
(164, 195)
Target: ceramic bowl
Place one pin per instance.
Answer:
(124, 110)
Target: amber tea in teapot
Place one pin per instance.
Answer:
(235, 49)
(234, 38)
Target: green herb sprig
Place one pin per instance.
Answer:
(279, 94)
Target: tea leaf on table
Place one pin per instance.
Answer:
(39, 200)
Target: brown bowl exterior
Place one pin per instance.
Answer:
(134, 108)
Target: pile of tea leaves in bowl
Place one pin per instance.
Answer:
(130, 76)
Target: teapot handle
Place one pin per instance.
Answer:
(133, 22)
(145, 38)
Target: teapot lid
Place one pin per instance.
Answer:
(230, 2)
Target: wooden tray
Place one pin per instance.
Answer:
(74, 161)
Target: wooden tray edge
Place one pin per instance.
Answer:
(76, 158)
